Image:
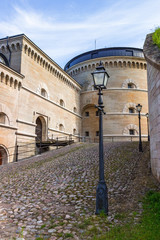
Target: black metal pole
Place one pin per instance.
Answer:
(140, 140)
(101, 192)
(148, 129)
(17, 153)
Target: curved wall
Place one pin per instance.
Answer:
(119, 99)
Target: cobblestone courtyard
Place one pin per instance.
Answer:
(52, 196)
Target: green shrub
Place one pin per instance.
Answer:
(156, 36)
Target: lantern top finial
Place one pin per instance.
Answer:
(139, 107)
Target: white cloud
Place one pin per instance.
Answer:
(122, 23)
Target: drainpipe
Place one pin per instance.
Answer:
(9, 51)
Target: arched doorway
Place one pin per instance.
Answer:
(41, 134)
(3, 156)
(39, 130)
(0, 158)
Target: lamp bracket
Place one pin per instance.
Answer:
(100, 109)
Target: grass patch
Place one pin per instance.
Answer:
(156, 36)
(147, 229)
(86, 222)
(68, 235)
(43, 226)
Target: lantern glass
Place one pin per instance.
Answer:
(100, 77)
(139, 107)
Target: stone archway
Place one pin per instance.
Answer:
(40, 129)
(3, 156)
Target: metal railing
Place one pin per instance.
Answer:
(25, 150)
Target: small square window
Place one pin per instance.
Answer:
(131, 110)
(97, 133)
(86, 114)
(87, 134)
(97, 114)
(131, 132)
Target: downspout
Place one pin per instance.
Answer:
(9, 51)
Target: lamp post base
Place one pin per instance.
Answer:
(140, 147)
(101, 198)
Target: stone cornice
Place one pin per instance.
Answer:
(12, 71)
(117, 89)
(151, 52)
(26, 134)
(51, 61)
(8, 126)
(108, 62)
(25, 122)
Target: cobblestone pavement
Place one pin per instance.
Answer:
(52, 196)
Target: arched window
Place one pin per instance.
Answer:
(3, 59)
(61, 127)
(44, 93)
(3, 155)
(130, 129)
(131, 85)
(75, 109)
(4, 118)
(62, 103)
(74, 131)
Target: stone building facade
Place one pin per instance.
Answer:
(127, 86)
(152, 55)
(38, 99)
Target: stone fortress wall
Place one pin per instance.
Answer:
(127, 86)
(37, 99)
(152, 55)
(40, 101)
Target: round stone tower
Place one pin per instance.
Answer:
(127, 86)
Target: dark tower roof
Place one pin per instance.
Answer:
(105, 52)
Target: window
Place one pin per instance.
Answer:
(131, 110)
(86, 114)
(97, 133)
(75, 109)
(97, 114)
(87, 134)
(2, 60)
(62, 103)
(43, 92)
(131, 85)
(74, 131)
(61, 127)
(4, 119)
(131, 131)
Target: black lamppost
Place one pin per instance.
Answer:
(139, 107)
(100, 78)
(147, 116)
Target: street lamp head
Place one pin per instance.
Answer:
(147, 115)
(100, 77)
(139, 107)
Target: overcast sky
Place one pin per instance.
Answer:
(66, 28)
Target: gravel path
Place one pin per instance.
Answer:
(52, 196)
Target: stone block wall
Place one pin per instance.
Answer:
(152, 55)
